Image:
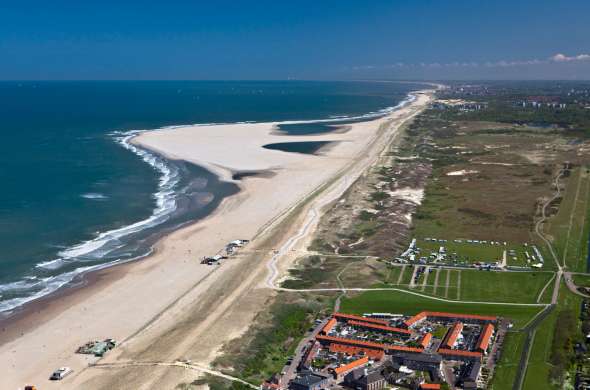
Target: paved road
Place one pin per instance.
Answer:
(539, 232)
(291, 370)
(531, 330)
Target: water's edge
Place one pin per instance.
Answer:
(186, 194)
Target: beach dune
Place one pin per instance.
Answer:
(168, 306)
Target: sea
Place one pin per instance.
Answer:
(76, 196)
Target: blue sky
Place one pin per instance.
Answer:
(295, 39)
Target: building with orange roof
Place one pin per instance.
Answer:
(378, 327)
(329, 326)
(415, 320)
(459, 354)
(375, 354)
(345, 368)
(270, 386)
(484, 338)
(366, 344)
(352, 342)
(425, 340)
(439, 315)
(344, 316)
(452, 335)
(399, 348)
(430, 386)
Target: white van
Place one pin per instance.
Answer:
(60, 373)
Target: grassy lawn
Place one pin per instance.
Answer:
(407, 276)
(393, 275)
(431, 279)
(506, 368)
(523, 287)
(513, 287)
(569, 226)
(537, 375)
(398, 302)
(582, 280)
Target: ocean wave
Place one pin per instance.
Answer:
(38, 288)
(32, 287)
(108, 241)
(51, 264)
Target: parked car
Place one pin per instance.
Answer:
(60, 373)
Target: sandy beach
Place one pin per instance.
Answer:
(168, 306)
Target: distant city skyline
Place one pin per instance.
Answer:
(427, 39)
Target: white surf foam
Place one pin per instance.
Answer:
(165, 204)
(94, 195)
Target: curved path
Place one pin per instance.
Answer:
(539, 232)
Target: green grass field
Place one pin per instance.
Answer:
(537, 373)
(569, 228)
(475, 285)
(393, 274)
(507, 366)
(407, 276)
(523, 287)
(582, 280)
(403, 303)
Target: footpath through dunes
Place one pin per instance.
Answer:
(168, 306)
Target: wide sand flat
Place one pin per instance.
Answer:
(168, 306)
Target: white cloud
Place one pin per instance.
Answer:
(557, 58)
(563, 58)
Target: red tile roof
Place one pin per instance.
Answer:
(425, 341)
(270, 385)
(375, 354)
(457, 352)
(351, 365)
(412, 320)
(405, 349)
(342, 340)
(329, 326)
(484, 337)
(424, 314)
(367, 344)
(386, 328)
(429, 386)
(345, 316)
(453, 334)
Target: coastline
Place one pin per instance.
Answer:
(135, 240)
(179, 281)
(187, 193)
